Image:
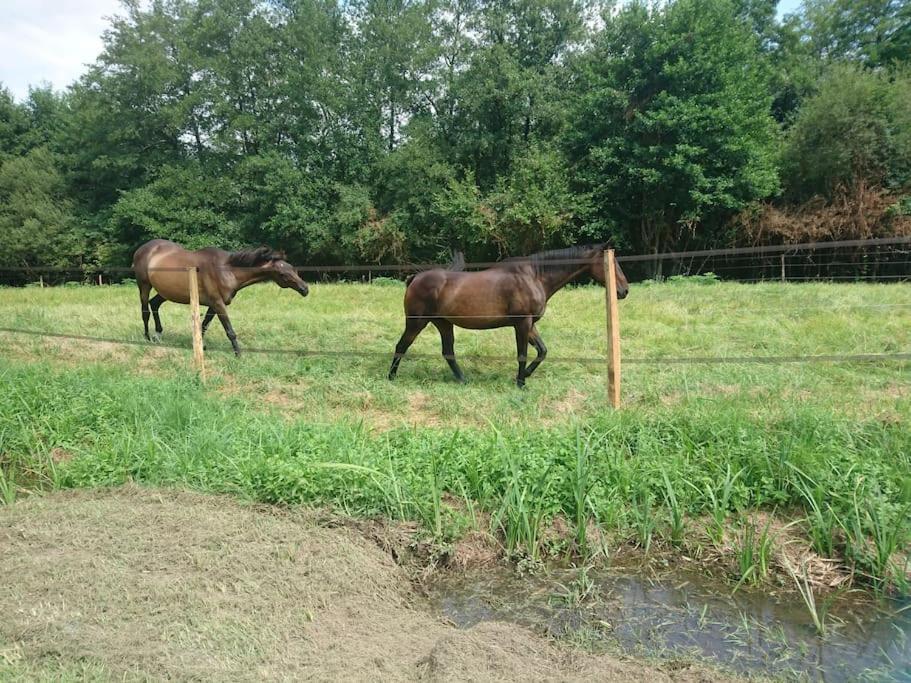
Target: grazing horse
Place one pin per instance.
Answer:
(163, 265)
(512, 293)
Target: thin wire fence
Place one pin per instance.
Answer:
(785, 257)
(788, 251)
(584, 360)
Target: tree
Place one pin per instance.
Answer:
(183, 203)
(391, 55)
(872, 32)
(531, 209)
(14, 125)
(37, 226)
(855, 133)
(672, 130)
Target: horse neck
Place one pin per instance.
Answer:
(555, 280)
(244, 277)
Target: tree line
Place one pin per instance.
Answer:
(381, 131)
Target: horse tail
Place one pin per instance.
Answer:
(458, 261)
(456, 265)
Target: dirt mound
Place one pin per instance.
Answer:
(132, 583)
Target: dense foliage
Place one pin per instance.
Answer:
(393, 130)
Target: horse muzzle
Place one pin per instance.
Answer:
(303, 290)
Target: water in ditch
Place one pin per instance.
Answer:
(680, 613)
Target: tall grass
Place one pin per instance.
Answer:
(754, 552)
(615, 467)
(8, 489)
(817, 609)
(876, 532)
(822, 521)
(674, 509)
(521, 514)
(332, 431)
(644, 520)
(719, 502)
(580, 484)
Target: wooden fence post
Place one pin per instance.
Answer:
(613, 328)
(783, 278)
(41, 281)
(196, 325)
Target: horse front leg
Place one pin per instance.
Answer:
(222, 313)
(523, 329)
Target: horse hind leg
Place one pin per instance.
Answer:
(155, 304)
(144, 289)
(413, 327)
(448, 342)
(210, 313)
(523, 329)
(535, 338)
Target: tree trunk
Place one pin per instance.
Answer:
(391, 125)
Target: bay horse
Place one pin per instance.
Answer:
(162, 265)
(513, 293)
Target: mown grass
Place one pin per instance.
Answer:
(825, 440)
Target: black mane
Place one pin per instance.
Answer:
(557, 259)
(251, 258)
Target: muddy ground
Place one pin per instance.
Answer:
(133, 584)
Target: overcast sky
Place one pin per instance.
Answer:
(49, 40)
(52, 40)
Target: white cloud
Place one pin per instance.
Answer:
(50, 40)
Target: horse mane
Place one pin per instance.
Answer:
(250, 258)
(556, 259)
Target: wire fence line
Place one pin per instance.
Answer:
(585, 360)
(786, 250)
(715, 269)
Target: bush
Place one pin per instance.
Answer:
(854, 133)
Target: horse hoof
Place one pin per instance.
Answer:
(156, 338)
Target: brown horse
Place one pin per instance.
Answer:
(163, 265)
(512, 293)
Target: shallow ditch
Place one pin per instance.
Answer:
(683, 613)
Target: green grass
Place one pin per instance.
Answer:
(691, 440)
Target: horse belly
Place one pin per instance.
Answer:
(474, 307)
(173, 286)
(478, 322)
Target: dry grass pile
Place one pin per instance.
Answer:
(140, 584)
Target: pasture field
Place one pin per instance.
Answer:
(730, 463)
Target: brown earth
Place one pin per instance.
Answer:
(134, 584)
